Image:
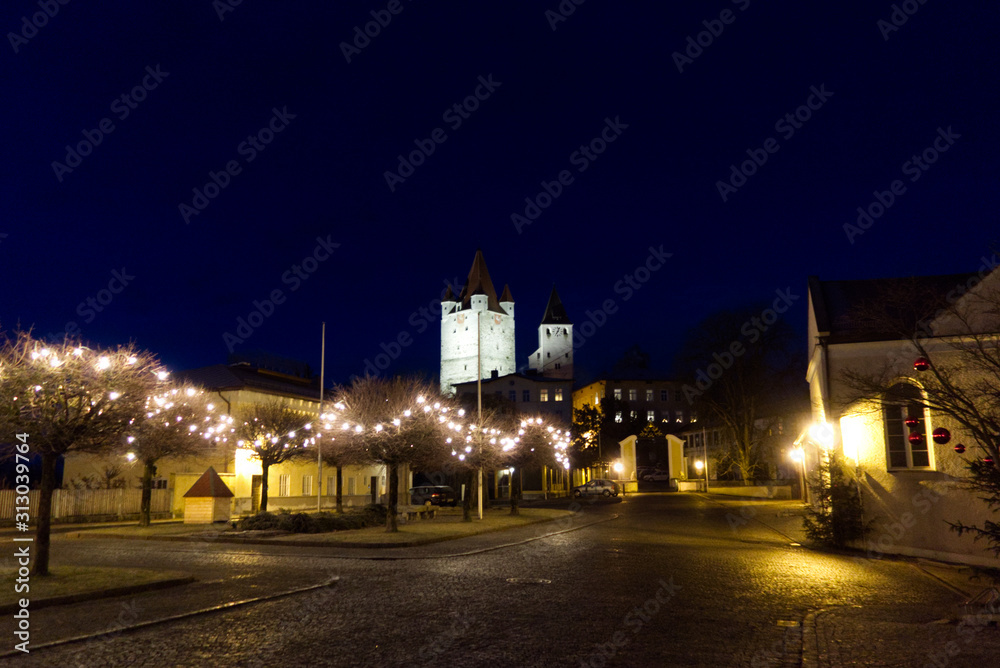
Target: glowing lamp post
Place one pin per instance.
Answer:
(698, 466)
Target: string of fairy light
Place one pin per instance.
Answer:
(462, 436)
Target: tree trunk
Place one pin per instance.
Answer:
(391, 523)
(515, 492)
(340, 482)
(146, 502)
(40, 566)
(470, 478)
(263, 486)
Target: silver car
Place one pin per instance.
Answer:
(596, 487)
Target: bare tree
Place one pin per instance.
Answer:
(742, 378)
(178, 421)
(536, 444)
(274, 434)
(393, 421)
(66, 398)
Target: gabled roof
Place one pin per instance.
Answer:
(220, 377)
(209, 485)
(555, 313)
(876, 309)
(479, 283)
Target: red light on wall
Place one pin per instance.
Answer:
(960, 448)
(921, 364)
(941, 435)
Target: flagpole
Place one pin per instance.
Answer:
(319, 448)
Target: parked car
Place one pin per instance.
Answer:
(657, 476)
(596, 487)
(438, 495)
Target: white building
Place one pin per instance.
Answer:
(554, 357)
(911, 485)
(476, 322)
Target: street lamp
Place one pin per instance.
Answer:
(698, 466)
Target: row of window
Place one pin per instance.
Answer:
(543, 395)
(633, 394)
(651, 416)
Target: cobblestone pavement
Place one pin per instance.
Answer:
(673, 580)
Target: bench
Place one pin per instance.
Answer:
(426, 511)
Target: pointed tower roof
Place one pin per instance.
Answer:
(479, 283)
(505, 297)
(209, 485)
(555, 313)
(449, 296)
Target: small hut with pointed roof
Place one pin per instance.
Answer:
(208, 500)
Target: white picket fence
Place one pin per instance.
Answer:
(67, 503)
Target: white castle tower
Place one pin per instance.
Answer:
(477, 330)
(554, 357)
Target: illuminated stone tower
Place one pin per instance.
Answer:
(476, 322)
(554, 357)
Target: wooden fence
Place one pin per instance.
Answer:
(72, 503)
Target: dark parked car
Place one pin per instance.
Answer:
(438, 495)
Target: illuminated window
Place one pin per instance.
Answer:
(307, 485)
(284, 485)
(633, 414)
(649, 395)
(331, 485)
(559, 394)
(633, 394)
(650, 416)
(906, 444)
(618, 416)
(543, 395)
(679, 417)
(618, 393)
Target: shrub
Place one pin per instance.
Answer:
(836, 515)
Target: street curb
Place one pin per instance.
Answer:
(195, 538)
(98, 594)
(172, 618)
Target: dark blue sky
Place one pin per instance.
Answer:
(210, 84)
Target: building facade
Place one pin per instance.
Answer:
(911, 486)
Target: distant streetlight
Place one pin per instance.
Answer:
(698, 466)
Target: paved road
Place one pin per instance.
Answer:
(655, 580)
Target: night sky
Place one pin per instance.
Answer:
(308, 117)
